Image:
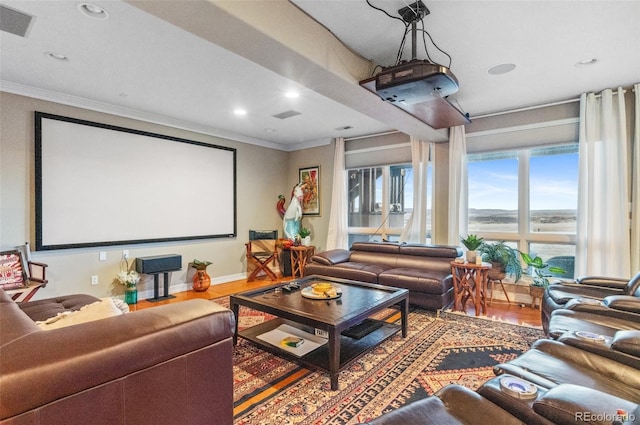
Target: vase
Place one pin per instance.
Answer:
(306, 241)
(131, 295)
(471, 256)
(201, 281)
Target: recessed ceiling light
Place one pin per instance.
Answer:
(240, 112)
(57, 56)
(503, 68)
(587, 62)
(93, 11)
(269, 130)
(292, 94)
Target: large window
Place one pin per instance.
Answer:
(381, 202)
(527, 197)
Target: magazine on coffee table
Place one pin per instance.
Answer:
(279, 337)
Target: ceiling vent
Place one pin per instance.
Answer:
(286, 114)
(15, 22)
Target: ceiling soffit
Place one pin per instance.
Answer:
(292, 45)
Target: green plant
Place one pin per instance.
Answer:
(304, 232)
(472, 242)
(200, 265)
(499, 252)
(540, 277)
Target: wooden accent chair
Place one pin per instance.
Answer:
(262, 250)
(19, 277)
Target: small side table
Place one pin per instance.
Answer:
(470, 281)
(299, 257)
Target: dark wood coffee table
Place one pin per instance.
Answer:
(358, 302)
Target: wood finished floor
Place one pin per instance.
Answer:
(500, 310)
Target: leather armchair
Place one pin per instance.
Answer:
(557, 296)
(563, 321)
(550, 363)
(562, 404)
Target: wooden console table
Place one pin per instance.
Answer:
(470, 281)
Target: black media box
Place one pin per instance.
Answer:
(159, 264)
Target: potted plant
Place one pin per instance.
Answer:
(472, 243)
(305, 236)
(540, 276)
(504, 260)
(540, 268)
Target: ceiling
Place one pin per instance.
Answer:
(190, 64)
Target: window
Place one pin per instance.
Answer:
(381, 201)
(528, 198)
(493, 192)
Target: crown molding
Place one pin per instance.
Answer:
(107, 108)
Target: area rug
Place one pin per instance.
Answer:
(437, 351)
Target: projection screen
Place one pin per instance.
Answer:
(98, 185)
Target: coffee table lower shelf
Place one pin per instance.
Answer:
(350, 348)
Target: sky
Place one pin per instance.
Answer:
(554, 183)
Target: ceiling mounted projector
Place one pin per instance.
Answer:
(416, 81)
(419, 87)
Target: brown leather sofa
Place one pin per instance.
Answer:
(425, 270)
(169, 364)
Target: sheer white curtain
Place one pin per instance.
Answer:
(457, 185)
(416, 228)
(603, 243)
(635, 188)
(337, 234)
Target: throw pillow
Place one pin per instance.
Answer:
(96, 311)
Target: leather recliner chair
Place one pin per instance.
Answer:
(452, 405)
(557, 296)
(570, 320)
(550, 363)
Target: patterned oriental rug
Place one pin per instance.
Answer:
(437, 351)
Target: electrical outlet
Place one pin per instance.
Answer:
(103, 255)
(125, 254)
(94, 280)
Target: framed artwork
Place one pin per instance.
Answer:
(310, 180)
(12, 272)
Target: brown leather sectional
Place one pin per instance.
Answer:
(170, 364)
(586, 372)
(425, 270)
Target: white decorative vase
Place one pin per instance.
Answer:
(471, 256)
(306, 241)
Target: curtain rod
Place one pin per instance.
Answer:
(544, 105)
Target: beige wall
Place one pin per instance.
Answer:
(323, 157)
(262, 174)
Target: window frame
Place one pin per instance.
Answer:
(524, 236)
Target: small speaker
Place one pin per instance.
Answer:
(159, 264)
